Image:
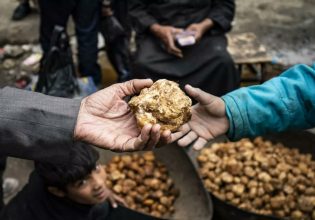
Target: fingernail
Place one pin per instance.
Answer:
(115, 206)
(189, 86)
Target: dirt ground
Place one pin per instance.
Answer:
(286, 27)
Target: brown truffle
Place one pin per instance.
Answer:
(163, 103)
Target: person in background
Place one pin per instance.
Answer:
(286, 102)
(86, 15)
(205, 63)
(116, 31)
(75, 190)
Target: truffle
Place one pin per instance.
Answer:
(163, 103)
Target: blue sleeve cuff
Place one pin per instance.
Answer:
(235, 118)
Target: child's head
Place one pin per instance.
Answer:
(81, 180)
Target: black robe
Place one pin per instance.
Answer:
(207, 64)
(34, 202)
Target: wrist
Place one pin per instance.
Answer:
(155, 28)
(77, 128)
(206, 24)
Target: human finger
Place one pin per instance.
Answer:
(120, 200)
(154, 137)
(166, 138)
(183, 130)
(133, 87)
(187, 139)
(172, 48)
(177, 30)
(191, 27)
(175, 50)
(199, 95)
(112, 201)
(138, 143)
(200, 143)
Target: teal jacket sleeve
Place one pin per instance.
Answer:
(283, 103)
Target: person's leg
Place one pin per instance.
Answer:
(22, 10)
(86, 16)
(118, 55)
(53, 12)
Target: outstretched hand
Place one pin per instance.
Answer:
(207, 122)
(106, 121)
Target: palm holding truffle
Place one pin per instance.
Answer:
(105, 119)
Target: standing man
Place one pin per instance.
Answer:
(86, 15)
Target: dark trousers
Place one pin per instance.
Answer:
(118, 50)
(86, 15)
(2, 168)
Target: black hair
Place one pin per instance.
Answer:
(82, 161)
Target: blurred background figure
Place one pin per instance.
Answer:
(115, 29)
(86, 15)
(205, 63)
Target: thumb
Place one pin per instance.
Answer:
(177, 30)
(133, 87)
(113, 201)
(199, 95)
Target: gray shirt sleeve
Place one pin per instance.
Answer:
(35, 126)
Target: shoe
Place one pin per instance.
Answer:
(21, 11)
(9, 186)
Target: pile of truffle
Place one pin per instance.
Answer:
(143, 182)
(261, 177)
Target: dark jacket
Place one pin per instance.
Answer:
(34, 202)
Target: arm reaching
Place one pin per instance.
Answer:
(44, 128)
(282, 103)
(106, 121)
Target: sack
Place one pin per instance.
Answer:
(57, 73)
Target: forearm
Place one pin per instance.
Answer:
(283, 103)
(35, 126)
(207, 24)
